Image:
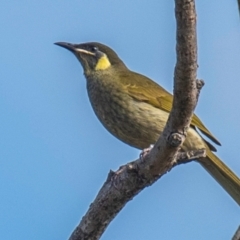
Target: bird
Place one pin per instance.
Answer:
(135, 109)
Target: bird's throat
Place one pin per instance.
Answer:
(103, 63)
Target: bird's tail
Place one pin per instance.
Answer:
(222, 174)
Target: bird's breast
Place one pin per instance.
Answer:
(134, 122)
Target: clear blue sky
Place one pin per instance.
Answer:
(54, 153)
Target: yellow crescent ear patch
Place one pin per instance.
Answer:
(103, 63)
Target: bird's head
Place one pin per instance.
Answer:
(93, 56)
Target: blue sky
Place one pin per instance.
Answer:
(55, 155)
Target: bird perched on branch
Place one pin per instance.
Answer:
(135, 109)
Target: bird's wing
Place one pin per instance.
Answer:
(144, 89)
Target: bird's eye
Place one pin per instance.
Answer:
(94, 49)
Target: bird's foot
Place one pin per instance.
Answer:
(185, 157)
(145, 152)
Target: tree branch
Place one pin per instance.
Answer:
(237, 234)
(121, 186)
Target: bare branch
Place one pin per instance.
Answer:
(237, 234)
(130, 179)
(119, 188)
(238, 2)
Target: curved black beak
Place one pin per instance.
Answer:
(74, 48)
(68, 46)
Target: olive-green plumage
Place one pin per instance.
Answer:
(135, 109)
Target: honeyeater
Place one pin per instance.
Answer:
(135, 109)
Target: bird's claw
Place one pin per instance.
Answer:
(145, 152)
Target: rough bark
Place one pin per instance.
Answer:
(237, 234)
